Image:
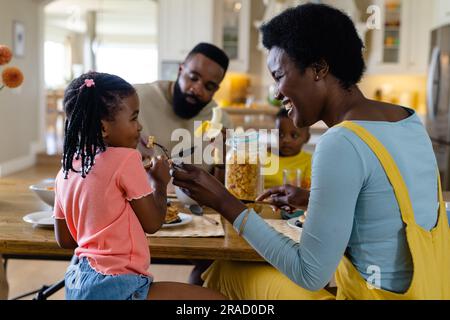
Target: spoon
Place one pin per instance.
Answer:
(198, 211)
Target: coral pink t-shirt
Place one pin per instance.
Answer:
(98, 213)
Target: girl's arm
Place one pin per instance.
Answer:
(151, 210)
(63, 236)
(62, 233)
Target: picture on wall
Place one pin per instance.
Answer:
(18, 39)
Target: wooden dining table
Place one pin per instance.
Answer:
(20, 238)
(23, 239)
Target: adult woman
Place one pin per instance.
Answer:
(374, 175)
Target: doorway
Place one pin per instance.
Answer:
(111, 36)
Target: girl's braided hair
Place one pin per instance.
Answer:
(89, 99)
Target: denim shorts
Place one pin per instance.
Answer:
(84, 283)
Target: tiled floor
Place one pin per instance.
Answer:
(29, 275)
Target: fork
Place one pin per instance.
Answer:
(164, 149)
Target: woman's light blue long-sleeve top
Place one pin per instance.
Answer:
(353, 210)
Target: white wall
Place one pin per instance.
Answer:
(21, 110)
(257, 67)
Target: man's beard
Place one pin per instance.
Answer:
(182, 107)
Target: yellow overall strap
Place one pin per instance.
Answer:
(390, 167)
(429, 249)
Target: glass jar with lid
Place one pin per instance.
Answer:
(243, 167)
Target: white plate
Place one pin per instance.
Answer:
(185, 219)
(291, 223)
(41, 219)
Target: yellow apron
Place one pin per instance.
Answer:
(430, 250)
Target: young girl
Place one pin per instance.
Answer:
(104, 202)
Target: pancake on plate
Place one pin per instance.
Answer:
(172, 215)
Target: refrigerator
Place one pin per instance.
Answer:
(438, 100)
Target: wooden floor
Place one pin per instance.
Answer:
(29, 275)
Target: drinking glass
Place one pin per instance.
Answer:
(292, 177)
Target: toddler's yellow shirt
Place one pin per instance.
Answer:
(301, 161)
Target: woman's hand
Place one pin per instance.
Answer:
(207, 190)
(287, 197)
(159, 171)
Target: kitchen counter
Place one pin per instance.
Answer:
(260, 110)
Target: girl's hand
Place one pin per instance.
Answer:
(159, 171)
(287, 197)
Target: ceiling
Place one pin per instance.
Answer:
(114, 17)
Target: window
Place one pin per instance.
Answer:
(55, 64)
(135, 64)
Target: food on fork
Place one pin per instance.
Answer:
(172, 215)
(151, 142)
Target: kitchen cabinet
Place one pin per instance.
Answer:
(419, 26)
(185, 23)
(182, 25)
(401, 42)
(441, 15)
(232, 31)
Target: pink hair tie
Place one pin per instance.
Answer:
(88, 83)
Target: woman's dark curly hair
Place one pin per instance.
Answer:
(312, 33)
(85, 107)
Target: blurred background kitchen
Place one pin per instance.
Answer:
(145, 40)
